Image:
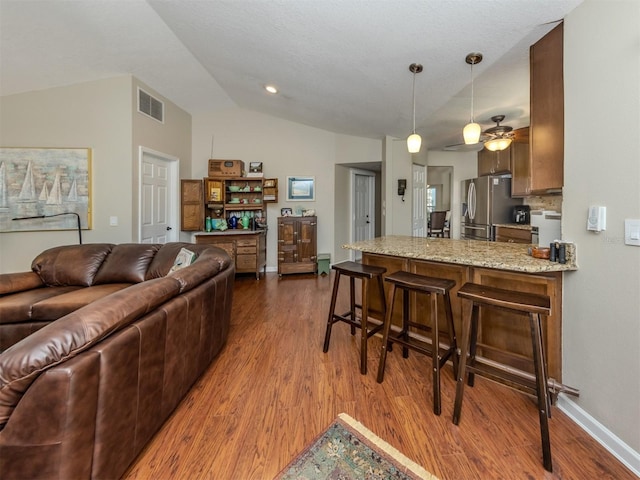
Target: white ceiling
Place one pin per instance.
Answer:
(340, 65)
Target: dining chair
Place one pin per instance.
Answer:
(437, 224)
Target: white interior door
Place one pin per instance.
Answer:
(158, 193)
(363, 187)
(419, 206)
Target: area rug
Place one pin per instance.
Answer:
(347, 450)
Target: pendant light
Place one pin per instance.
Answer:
(414, 141)
(471, 132)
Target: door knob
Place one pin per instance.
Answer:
(169, 228)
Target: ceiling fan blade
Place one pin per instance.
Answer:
(463, 147)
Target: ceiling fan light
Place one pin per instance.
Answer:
(413, 143)
(497, 144)
(471, 133)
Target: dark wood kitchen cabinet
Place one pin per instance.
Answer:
(512, 235)
(547, 114)
(297, 245)
(494, 163)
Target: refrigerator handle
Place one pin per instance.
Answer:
(471, 200)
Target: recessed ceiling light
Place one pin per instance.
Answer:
(271, 89)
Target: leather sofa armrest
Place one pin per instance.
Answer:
(19, 282)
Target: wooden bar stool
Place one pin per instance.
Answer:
(411, 282)
(523, 305)
(355, 270)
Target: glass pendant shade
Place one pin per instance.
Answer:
(497, 144)
(413, 143)
(471, 133)
(472, 130)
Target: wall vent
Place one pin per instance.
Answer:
(150, 106)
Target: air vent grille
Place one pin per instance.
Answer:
(150, 106)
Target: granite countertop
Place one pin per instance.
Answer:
(475, 253)
(232, 231)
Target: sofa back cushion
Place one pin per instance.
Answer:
(126, 263)
(164, 258)
(71, 264)
(21, 363)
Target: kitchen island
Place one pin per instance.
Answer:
(503, 265)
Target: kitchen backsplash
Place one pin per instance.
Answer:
(547, 202)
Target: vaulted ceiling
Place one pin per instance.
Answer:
(340, 65)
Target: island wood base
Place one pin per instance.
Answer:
(500, 339)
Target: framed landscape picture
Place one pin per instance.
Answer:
(45, 188)
(301, 189)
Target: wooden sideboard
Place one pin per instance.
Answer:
(248, 249)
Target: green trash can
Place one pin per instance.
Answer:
(323, 263)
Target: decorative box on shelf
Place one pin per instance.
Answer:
(270, 190)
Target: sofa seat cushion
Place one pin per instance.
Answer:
(23, 362)
(71, 264)
(53, 308)
(17, 307)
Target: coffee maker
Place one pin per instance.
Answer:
(521, 214)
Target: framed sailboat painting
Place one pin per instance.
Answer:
(45, 189)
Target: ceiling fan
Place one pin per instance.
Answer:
(494, 138)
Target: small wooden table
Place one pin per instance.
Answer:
(247, 248)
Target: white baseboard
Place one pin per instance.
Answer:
(602, 434)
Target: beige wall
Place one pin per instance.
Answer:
(172, 138)
(286, 149)
(95, 115)
(100, 115)
(601, 311)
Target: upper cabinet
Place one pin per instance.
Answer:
(494, 163)
(520, 165)
(222, 198)
(547, 114)
(510, 160)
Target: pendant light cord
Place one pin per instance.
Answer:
(414, 102)
(472, 63)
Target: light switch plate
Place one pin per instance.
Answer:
(632, 232)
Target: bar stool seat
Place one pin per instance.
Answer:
(365, 273)
(411, 282)
(522, 305)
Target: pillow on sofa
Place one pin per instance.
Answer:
(21, 363)
(163, 261)
(126, 263)
(71, 264)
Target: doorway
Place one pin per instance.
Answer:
(363, 188)
(157, 205)
(419, 201)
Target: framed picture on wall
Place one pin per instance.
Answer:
(286, 212)
(45, 189)
(301, 189)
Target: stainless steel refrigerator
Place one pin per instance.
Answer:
(486, 201)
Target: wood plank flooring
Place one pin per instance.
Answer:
(272, 390)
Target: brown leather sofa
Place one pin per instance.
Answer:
(99, 345)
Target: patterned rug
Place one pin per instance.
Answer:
(348, 450)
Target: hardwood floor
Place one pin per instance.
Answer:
(272, 390)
